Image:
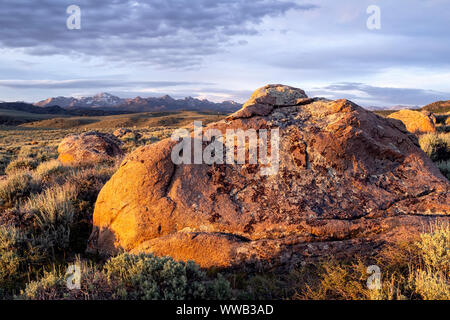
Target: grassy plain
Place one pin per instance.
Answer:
(46, 218)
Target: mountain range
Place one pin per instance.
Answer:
(109, 102)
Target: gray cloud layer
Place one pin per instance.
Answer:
(414, 33)
(169, 33)
(370, 95)
(91, 84)
(242, 44)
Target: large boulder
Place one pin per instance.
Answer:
(89, 147)
(348, 182)
(416, 121)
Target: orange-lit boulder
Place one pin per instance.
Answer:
(89, 147)
(416, 121)
(349, 182)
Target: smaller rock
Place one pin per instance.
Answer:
(125, 134)
(89, 147)
(416, 121)
(276, 94)
(119, 133)
(265, 99)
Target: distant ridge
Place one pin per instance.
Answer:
(108, 102)
(26, 107)
(54, 109)
(438, 107)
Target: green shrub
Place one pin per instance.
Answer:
(9, 259)
(153, 278)
(132, 277)
(436, 146)
(16, 188)
(425, 276)
(435, 247)
(52, 285)
(265, 287)
(49, 169)
(87, 182)
(53, 212)
(20, 164)
(18, 257)
(339, 281)
(429, 284)
(444, 167)
(5, 158)
(46, 288)
(39, 152)
(431, 279)
(131, 136)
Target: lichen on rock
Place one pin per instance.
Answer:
(348, 182)
(89, 147)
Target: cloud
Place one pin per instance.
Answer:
(236, 44)
(382, 96)
(168, 33)
(91, 84)
(334, 40)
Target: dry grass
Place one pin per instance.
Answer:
(16, 188)
(429, 284)
(421, 272)
(57, 203)
(437, 147)
(143, 120)
(46, 208)
(20, 164)
(49, 169)
(53, 213)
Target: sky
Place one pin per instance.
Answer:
(225, 49)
